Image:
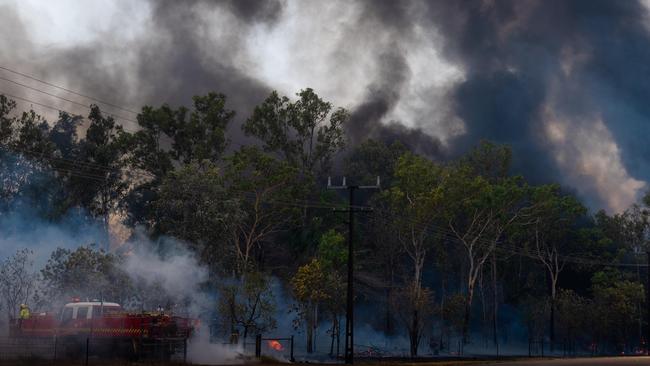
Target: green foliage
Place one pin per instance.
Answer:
(299, 131)
(572, 314)
(248, 210)
(616, 305)
(249, 304)
(414, 307)
(309, 284)
(332, 250)
(488, 160)
(101, 147)
(262, 185)
(195, 136)
(193, 205)
(415, 195)
(453, 312)
(371, 159)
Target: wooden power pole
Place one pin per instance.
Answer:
(349, 309)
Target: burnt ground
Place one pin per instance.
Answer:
(597, 361)
(35, 362)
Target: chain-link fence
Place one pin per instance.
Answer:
(85, 350)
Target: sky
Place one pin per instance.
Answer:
(562, 82)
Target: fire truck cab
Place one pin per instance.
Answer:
(88, 310)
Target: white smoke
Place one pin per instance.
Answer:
(201, 351)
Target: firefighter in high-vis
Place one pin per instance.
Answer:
(24, 311)
(23, 314)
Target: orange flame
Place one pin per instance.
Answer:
(275, 345)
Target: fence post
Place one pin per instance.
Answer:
(185, 350)
(292, 359)
(258, 346)
(87, 349)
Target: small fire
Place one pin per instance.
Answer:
(275, 345)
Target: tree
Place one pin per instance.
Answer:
(554, 217)
(97, 182)
(333, 255)
(572, 312)
(616, 302)
(193, 205)
(478, 209)
(374, 158)
(415, 194)
(6, 121)
(414, 306)
(262, 185)
(249, 304)
(309, 287)
(305, 133)
(195, 136)
(30, 169)
(17, 281)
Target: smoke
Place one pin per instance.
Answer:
(437, 75)
(168, 272)
(557, 81)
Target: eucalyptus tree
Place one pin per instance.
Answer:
(194, 205)
(553, 227)
(264, 188)
(306, 132)
(169, 138)
(412, 203)
(477, 210)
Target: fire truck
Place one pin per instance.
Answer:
(109, 327)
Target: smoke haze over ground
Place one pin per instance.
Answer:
(562, 82)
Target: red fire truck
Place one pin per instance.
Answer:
(110, 328)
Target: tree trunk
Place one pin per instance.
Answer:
(389, 325)
(442, 313)
(338, 335)
(640, 307)
(468, 311)
(481, 291)
(552, 317)
(333, 335)
(310, 329)
(414, 334)
(495, 308)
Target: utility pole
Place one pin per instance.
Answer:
(349, 310)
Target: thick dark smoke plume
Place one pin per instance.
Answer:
(581, 61)
(563, 82)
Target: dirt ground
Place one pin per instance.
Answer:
(31, 362)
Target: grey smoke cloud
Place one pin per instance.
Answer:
(557, 80)
(582, 60)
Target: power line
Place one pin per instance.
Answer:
(98, 173)
(68, 90)
(64, 99)
(51, 107)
